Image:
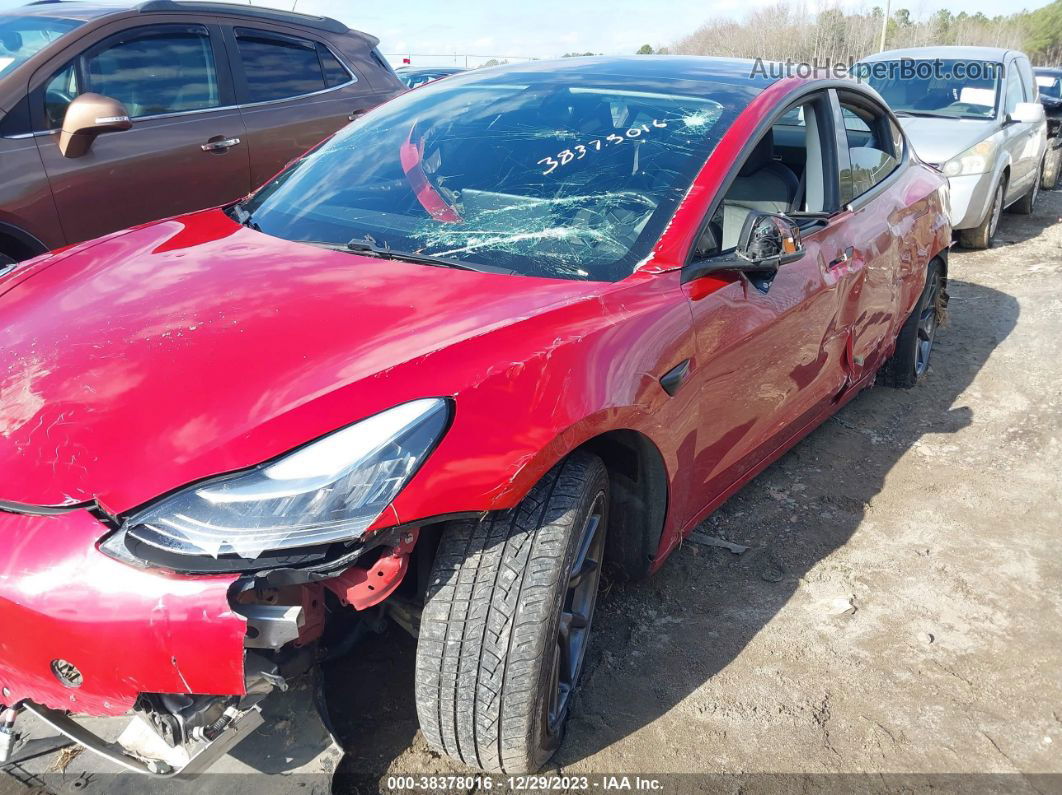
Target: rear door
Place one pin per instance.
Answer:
(876, 219)
(1020, 138)
(294, 91)
(185, 150)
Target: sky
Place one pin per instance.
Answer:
(550, 28)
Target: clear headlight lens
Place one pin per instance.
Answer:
(330, 490)
(975, 160)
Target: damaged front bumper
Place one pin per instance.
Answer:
(192, 657)
(82, 632)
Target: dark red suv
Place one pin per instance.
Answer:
(110, 117)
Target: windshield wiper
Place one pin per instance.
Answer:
(922, 114)
(386, 252)
(243, 217)
(371, 249)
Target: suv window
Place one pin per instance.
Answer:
(1015, 89)
(280, 67)
(59, 91)
(873, 149)
(164, 69)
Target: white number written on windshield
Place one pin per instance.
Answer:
(579, 151)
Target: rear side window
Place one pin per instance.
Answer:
(280, 67)
(165, 69)
(874, 149)
(1015, 89)
(335, 74)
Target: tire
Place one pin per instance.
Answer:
(1027, 203)
(981, 235)
(1052, 166)
(914, 343)
(491, 631)
(5, 260)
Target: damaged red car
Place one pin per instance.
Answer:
(501, 333)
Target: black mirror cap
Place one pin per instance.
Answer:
(768, 241)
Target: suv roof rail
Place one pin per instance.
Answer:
(326, 24)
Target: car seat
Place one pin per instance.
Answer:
(763, 185)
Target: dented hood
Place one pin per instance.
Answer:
(150, 359)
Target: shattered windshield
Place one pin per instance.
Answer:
(541, 174)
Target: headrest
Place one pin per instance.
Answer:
(760, 157)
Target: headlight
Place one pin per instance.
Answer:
(975, 160)
(329, 490)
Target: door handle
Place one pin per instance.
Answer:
(222, 145)
(355, 114)
(846, 257)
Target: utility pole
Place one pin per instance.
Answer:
(884, 26)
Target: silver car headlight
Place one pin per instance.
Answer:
(327, 491)
(978, 159)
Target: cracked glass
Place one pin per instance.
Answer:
(555, 174)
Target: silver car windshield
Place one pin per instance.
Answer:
(946, 88)
(22, 37)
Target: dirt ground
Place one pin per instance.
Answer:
(899, 608)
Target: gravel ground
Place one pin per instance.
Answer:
(898, 608)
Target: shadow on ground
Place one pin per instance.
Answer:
(640, 665)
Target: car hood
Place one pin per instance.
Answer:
(939, 140)
(194, 346)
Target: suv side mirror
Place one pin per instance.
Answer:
(1027, 113)
(87, 116)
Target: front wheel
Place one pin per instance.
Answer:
(981, 235)
(505, 626)
(914, 343)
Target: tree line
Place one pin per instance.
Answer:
(788, 29)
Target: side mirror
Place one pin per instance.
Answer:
(768, 241)
(87, 116)
(1027, 113)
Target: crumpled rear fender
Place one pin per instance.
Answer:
(126, 630)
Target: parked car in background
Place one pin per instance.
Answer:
(506, 329)
(414, 76)
(974, 113)
(114, 116)
(1049, 84)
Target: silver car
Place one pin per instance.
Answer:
(972, 112)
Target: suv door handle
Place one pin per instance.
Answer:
(221, 145)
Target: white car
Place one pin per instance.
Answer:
(973, 112)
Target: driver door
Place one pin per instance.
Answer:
(173, 80)
(769, 364)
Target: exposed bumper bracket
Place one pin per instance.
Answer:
(205, 756)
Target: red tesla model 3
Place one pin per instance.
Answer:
(500, 333)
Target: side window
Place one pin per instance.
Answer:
(1027, 81)
(335, 74)
(59, 91)
(872, 149)
(1015, 90)
(896, 133)
(783, 173)
(160, 70)
(280, 67)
